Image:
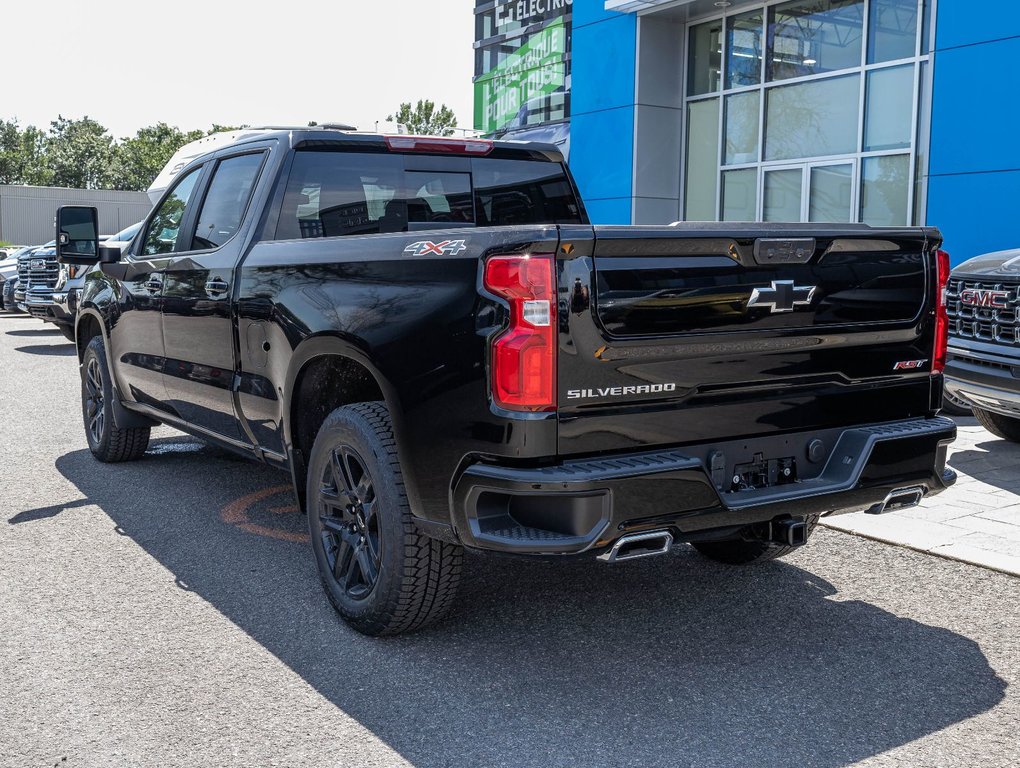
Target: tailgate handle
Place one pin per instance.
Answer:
(768, 250)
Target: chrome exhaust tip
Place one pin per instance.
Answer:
(639, 545)
(901, 498)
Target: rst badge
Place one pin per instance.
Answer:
(909, 365)
(428, 248)
(976, 297)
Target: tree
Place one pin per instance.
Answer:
(424, 120)
(79, 153)
(22, 155)
(136, 161)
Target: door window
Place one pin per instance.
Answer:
(161, 236)
(226, 200)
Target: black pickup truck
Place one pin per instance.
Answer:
(430, 336)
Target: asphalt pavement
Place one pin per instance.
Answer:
(168, 612)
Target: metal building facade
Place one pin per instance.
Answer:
(27, 214)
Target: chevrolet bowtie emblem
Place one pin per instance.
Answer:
(782, 296)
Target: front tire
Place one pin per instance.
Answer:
(67, 331)
(1006, 427)
(107, 443)
(380, 574)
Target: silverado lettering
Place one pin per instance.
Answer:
(643, 389)
(421, 365)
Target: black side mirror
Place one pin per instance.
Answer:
(77, 235)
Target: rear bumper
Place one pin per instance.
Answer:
(985, 376)
(584, 506)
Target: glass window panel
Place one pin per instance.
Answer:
(829, 198)
(740, 195)
(892, 30)
(702, 160)
(926, 27)
(742, 127)
(226, 201)
(885, 182)
(923, 130)
(808, 37)
(812, 119)
(743, 49)
(166, 224)
(704, 63)
(783, 191)
(889, 112)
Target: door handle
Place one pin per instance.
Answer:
(216, 287)
(154, 284)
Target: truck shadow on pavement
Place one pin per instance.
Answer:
(35, 332)
(661, 662)
(50, 350)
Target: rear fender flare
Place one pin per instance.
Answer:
(335, 346)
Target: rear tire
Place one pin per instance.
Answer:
(740, 552)
(107, 443)
(379, 572)
(1006, 427)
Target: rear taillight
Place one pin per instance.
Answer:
(938, 360)
(434, 144)
(523, 359)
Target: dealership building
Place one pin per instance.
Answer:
(887, 112)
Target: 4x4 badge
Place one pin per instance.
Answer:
(445, 248)
(782, 296)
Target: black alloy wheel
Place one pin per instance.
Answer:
(95, 412)
(378, 570)
(349, 525)
(107, 441)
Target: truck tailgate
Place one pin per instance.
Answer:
(674, 335)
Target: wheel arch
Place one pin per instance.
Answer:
(325, 373)
(89, 324)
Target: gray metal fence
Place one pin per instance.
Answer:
(28, 214)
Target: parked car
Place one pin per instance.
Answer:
(378, 316)
(64, 297)
(983, 306)
(8, 279)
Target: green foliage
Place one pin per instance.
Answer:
(138, 160)
(80, 153)
(425, 120)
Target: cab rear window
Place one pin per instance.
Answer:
(332, 194)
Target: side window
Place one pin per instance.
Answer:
(161, 237)
(523, 192)
(348, 193)
(226, 200)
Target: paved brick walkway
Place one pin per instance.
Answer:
(976, 521)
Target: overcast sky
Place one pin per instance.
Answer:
(192, 63)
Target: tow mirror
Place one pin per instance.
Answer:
(78, 237)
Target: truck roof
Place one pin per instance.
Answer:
(333, 133)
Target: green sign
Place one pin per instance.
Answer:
(535, 69)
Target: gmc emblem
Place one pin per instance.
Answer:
(974, 297)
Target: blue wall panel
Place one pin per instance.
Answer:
(963, 22)
(974, 166)
(613, 211)
(976, 212)
(602, 152)
(604, 48)
(975, 119)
